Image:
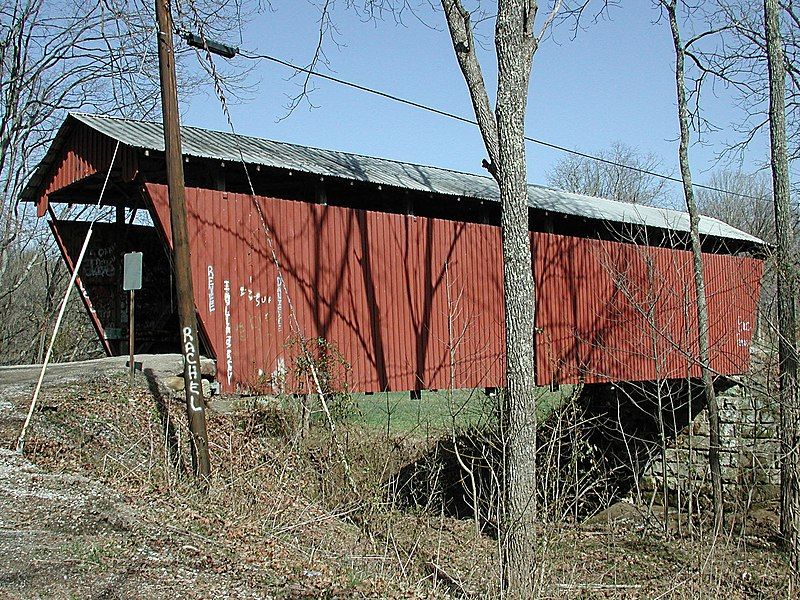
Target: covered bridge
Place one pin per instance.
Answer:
(397, 266)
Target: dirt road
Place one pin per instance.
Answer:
(21, 379)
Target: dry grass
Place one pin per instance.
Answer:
(281, 506)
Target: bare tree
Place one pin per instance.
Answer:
(53, 58)
(517, 36)
(746, 202)
(610, 178)
(787, 315)
(734, 52)
(57, 57)
(503, 132)
(671, 7)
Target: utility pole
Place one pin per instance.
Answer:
(190, 341)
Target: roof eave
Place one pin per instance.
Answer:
(32, 189)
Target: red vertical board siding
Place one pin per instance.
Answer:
(417, 303)
(85, 153)
(609, 311)
(732, 284)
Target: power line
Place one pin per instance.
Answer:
(456, 117)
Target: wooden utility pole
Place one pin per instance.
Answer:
(190, 341)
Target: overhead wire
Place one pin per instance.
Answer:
(462, 119)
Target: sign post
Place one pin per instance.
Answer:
(132, 281)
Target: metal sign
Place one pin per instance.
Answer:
(132, 272)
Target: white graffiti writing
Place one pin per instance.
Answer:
(85, 295)
(279, 377)
(279, 301)
(252, 296)
(190, 368)
(211, 303)
(99, 262)
(96, 266)
(228, 333)
(744, 332)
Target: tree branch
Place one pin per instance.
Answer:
(460, 26)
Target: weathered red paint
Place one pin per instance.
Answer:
(85, 153)
(416, 303)
(611, 311)
(352, 277)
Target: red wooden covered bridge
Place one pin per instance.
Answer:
(396, 265)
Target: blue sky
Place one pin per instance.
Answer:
(614, 82)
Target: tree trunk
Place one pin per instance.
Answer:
(697, 267)
(504, 136)
(514, 57)
(787, 316)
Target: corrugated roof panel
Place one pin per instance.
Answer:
(204, 143)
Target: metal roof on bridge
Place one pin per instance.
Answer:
(204, 143)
